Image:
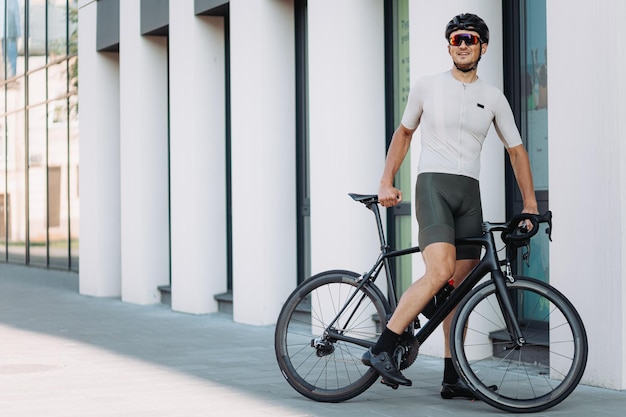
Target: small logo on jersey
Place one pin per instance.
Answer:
(480, 105)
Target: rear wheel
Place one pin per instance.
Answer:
(532, 377)
(312, 360)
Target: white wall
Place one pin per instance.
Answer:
(429, 55)
(263, 157)
(347, 129)
(587, 130)
(99, 98)
(143, 159)
(197, 158)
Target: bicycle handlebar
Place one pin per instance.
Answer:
(516, 232)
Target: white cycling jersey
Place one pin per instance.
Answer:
(455, 118)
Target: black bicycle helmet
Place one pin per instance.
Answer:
(468, 21)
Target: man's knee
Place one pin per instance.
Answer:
(440, 259)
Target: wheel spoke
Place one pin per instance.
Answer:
(535, 375)
(313, 361)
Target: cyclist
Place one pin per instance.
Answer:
(455, 110)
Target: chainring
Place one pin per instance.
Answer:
(408, 348)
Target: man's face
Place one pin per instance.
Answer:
(465, 54)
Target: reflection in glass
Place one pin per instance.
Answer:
(534, 120)
(73, 213)
(16, 185)
(11, 24)
(535, 89)
(404, 273)
(37, 210)
(58, 171)
(39, 133)
(404, 179)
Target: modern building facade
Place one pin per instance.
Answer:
(219, 141)
(39, 199)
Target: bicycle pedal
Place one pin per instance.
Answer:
(389, 384)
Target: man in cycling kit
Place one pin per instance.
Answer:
(455, 110)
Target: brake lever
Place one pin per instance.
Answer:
(548, 219)
(526, 255)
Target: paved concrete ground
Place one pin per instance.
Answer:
(62, 354)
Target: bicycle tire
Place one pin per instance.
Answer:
(315, 365)
(531, 378)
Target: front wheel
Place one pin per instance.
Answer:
(531, 376)
(312, 359)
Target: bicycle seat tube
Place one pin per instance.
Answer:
(384, 258)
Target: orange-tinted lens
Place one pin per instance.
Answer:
(468, 38)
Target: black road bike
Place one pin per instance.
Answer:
(514, 332)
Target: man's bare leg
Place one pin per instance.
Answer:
(440, 259)
(451, 386)
(463, 268)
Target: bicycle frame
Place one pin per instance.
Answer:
(488, 264)
(322, 360)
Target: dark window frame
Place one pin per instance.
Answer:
(303, 200)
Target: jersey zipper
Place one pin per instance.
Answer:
(460, 133)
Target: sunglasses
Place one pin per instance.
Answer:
(469, 39)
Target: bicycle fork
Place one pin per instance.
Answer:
(506, 306)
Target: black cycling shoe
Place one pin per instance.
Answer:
(460, 390)
(386, 367)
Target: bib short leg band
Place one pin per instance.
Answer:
(448, 207)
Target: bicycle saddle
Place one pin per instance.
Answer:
(364, 198)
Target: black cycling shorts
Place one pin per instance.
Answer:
(448, 207)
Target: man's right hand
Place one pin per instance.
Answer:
(389, 196)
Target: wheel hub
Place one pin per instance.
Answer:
(322, 347)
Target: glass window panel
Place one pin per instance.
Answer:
(57, 29)
(534, 120)
(12, 29)
(535, 89)
(73, 195)
(58, 172)
(37, 82)
(37, 193)
(15, 94)
(3, 193)
(16, 185)
(36, 21)
(404, 273)
(57, 90)
(401, 85)
(38, 183)
(3, 177)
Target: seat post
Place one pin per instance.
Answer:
(381, 234)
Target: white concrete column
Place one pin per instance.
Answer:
(587, 132)
(347, 129)
(263, 157)
(429, 55)
(144, 159)
(197, 158)
(99, 176)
